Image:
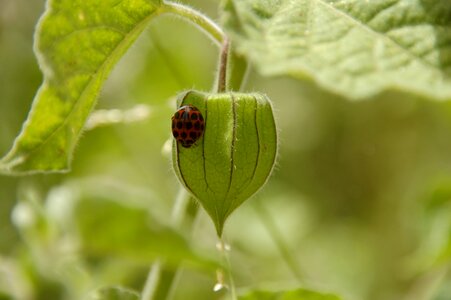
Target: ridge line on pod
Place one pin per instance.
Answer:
(258, 139)
(203, 145)
(232, 151)
(204, 158)
(254, 171)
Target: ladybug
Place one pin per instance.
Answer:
(187, 125)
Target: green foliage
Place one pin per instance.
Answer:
(113, 293)
(236, 154)
(77, 43)
(359, 205)
(354, 48)
(126, 232)
(299, 294)
(87, 235)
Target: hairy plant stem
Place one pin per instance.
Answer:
(202, 21)
(213, 30)
(222, 85)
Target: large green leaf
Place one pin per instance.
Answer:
(112, 228)
(299, 294)
(351, 47)
(77, 43)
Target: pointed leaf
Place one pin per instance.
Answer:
(77, 43)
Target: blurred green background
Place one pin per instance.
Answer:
(359, 203)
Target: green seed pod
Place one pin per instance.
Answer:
(234, 157)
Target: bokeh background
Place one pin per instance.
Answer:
(359, 203)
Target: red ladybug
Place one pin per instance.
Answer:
(187, 125)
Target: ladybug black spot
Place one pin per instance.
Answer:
(194, 116)
(193, 135)
(175, 133)
(184, 135)
(176, 115)
(188, 125)
(197, 125)
(179, 124)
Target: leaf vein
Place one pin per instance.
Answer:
(379, 35)
(82, 30)
(102, 67)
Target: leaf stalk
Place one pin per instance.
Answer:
(207, 25)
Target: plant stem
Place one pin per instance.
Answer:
(222, 85)
(202, 21)
(224, 249)
(212, 30)
(276, 235)
(153, 282)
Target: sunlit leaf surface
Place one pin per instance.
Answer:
(352, 47)
(77, 43)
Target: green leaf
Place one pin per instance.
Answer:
(77, 43)
(351, 47)
(113, 293)
(299, 294)
(236, 154)
(128, 232)
(435, 249)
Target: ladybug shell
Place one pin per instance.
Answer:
(187, 125)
